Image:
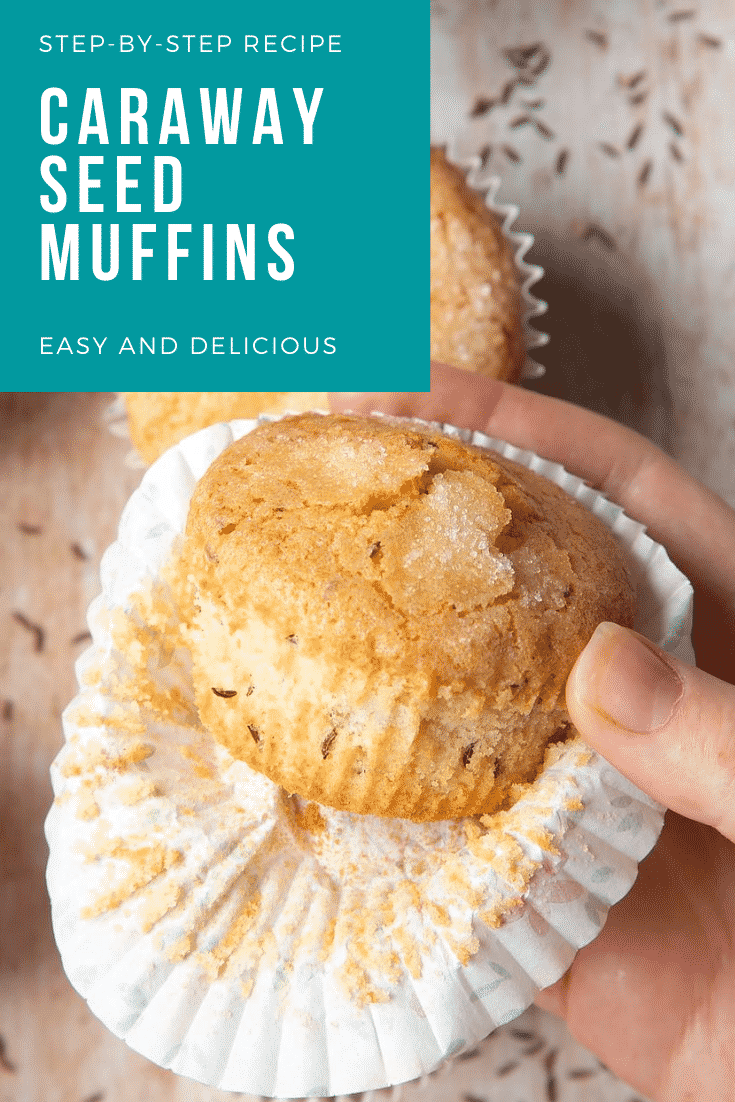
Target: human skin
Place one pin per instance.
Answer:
(654, 995)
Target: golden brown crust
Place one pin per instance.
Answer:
(382, 619)
(157, 421)
(476, 307)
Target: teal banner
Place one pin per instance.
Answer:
(220, 196)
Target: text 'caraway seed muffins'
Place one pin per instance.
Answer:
(476, 303)
(383, 619)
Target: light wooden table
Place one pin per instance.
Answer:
(641, 289)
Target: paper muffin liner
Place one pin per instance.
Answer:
(489, 185)
(261, 944)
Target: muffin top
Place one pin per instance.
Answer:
(476, 307)
(382, 618)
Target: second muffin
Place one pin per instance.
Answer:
(476, 304)
(157, 420)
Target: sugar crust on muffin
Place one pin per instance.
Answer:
(382, 619)
(476, 305)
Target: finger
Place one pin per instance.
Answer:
(554, 998)
(458, 396)
(668, 727)
(694, 524)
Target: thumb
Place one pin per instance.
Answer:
(669, 727)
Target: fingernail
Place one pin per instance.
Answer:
(624, 679)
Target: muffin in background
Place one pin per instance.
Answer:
(156, 420)
(382, 619)
(476, 303)
(476, 321)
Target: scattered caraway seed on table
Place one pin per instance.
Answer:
(632, 81)
(562, 161)
(635, 136)
(598, 37)
(39, 635)
(506, 1069)
(5, 1062)
(481, 106)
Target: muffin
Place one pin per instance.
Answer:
(476, 304)
(261, 943)
(382, 619)
(158, 420)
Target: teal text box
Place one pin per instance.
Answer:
(346, 212)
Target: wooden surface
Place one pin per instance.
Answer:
(641, 288)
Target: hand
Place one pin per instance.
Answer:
(654, 995)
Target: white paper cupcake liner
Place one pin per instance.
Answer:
(190, 902)
(115, 419)
(528, 274)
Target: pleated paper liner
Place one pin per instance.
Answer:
(261, 944)
(489, 186)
